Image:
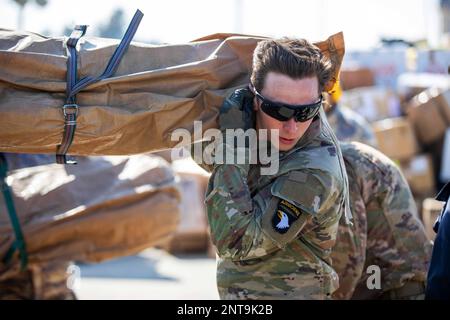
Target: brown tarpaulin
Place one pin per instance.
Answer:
(100, 209)
(43, 281)
(155, 90)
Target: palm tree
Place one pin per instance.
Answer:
(22, 4)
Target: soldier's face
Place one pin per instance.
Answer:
(281, 88)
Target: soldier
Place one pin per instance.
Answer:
(274, 233)
(350, 126)
(346, 123)
(386, 234)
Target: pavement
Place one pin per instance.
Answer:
(151, 275)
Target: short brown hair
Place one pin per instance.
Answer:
(296, 58)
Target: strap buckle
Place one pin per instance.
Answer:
(72, 108)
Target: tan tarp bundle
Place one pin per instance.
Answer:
(100, 209)
(155, 90)
(47, 281)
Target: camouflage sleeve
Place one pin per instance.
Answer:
(317, 195)
(246, 227)
(402, 245)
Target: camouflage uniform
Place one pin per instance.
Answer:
(387, 231)
(258, 257)
(350, 126)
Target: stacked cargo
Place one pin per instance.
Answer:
(191, 234)
(103, 208)
(429, 114)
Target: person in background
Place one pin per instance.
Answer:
(438, 282)
(386, 234)
(346, 123)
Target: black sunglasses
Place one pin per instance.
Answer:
(284, 112)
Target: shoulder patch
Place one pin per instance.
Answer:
(284, 216)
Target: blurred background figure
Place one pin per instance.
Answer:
(438, 285)
(387, 233)
(347, 124)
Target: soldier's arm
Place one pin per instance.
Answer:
(246, 227)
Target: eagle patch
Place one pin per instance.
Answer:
(285, 214)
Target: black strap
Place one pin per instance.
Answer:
(70, 109)
(19, 244)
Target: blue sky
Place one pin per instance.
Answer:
(174, 21)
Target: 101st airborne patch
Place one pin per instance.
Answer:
(285, 214)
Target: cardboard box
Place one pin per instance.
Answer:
(187, 242)
(386, 62)
(192, 232)
(431, 210)
(420, 175)
(444, 103)
(355, 78)
(412, 83)
(427, 115)
(373, 103)
(395, 138)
